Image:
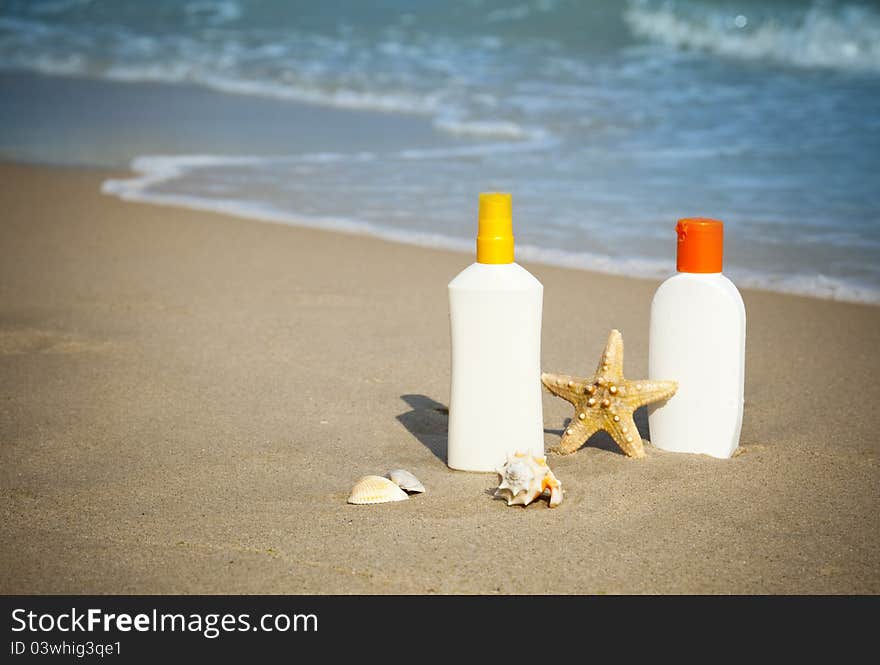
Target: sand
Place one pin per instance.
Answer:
(186, 399)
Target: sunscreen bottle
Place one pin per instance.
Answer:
(698, 338)
(495, 319)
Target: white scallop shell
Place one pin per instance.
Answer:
(375, 489)
(524, 478)
(406, 481)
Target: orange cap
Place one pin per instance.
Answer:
(700, 244)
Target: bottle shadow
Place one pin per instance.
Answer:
(428, 421)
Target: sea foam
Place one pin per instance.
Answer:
(812, 35)
(155, 173)
(607, 121)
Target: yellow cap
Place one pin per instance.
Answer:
(495, 237)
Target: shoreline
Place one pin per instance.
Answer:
(130, 189)
(188, 398)
(70, 119)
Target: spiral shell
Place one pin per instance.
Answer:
(375, 489)
(524, 478)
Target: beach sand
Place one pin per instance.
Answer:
(187, 398)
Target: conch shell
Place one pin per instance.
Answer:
(406, 481)
(375, 489)
(524, 478)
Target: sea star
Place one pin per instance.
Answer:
(606, 401)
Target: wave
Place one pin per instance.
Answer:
(386, 77)
(493, 84)
(132, 57)
(497, 128)
(592, 101)
(384, 102)
(214, 12)
(843, 37)
(58, 6)
(154, 171)
(812, 285)
(821, 286)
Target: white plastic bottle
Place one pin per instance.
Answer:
(495, 315)
(698, 338)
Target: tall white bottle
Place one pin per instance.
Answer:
(495, 315)
(698, 338)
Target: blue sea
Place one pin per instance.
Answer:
(606, 120)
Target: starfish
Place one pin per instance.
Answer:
(606, 401)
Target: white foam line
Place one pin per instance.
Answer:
(819, 37)
(236, 208)
(156, 170)
(814, 286)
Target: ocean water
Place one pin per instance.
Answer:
(607, 121)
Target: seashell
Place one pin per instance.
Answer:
(524, 478)
(375, 489)
(406, 481)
